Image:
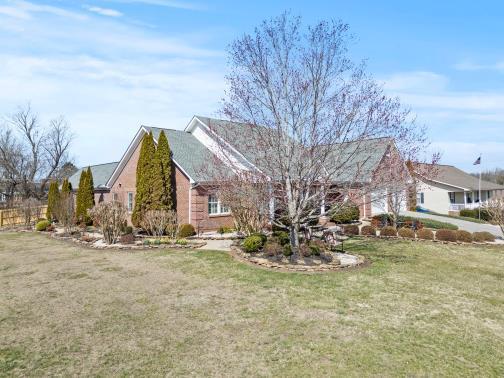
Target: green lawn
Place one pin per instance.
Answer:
(419, 309)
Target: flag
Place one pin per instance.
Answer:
(478, 161)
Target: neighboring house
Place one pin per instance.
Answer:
(451, 190)
(196, 147)
(101, 173)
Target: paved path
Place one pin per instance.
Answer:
(462, 224)
(218, 245)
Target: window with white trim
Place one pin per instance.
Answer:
(215, 207)
(420, 198)
(130, 201)
(452, 197)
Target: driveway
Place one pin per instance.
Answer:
(462, 224)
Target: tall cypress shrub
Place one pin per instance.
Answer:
(164, 172)
(144, 174)
(89, 189)
(66, 187)
(52, 200)
(80, 205)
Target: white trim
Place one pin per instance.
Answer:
(191, 126)
(190, 205)
(426, 180)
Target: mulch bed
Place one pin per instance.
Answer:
(264, 262)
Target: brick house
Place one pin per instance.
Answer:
(193, 148)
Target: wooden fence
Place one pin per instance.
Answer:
(12, 217)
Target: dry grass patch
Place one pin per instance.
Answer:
(419, 308)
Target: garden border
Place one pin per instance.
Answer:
(136, 247)
(237, 253)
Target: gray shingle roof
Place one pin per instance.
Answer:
(101, 174)
(453, 176)
(188, 152)
(358, 160)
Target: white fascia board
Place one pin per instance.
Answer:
(129, 152)
(190, 128)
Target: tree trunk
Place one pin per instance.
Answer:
(294, 240)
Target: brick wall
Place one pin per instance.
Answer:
(126, 182)
(200, 218)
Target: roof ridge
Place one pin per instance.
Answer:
(96, 165)
(162, 128)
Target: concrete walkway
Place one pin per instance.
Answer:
(462, 224)
(218, 245)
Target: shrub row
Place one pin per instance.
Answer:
(475, 214)
(427, 234)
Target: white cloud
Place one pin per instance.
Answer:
(471, 66)
(105, 11)
(15, 12)
(163, 3)
(461, 123)
(420, 81)
(106, 76)
(463, 154)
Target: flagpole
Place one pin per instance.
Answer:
(479, 191)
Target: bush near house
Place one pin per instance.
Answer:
(347, 214)
(282, 237)
(464, 236)
(272, 248)
(263, 237)
(186, 230)
(446, 235)
(388, 231)
(368, 230)
(425, 234)
(483, 236)
(351, 229)
(475, 214)
(385, 219)
(252, 243)
(406, 233)
(42, 225)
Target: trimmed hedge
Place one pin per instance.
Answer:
(287, 250)
(186, 230)
(388, 231)
(252, 243)
(368, 230)
(406, 233)
(425, 234)
(464, 236)
(483, 236)
(474, 213)
(42, 225)
(263, 237)
(446, 235)
(351, 229)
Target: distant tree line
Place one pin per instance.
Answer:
(496, 175)
(33, 154)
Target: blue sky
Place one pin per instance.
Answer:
(111, 65)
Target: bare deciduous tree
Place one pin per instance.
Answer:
(308, 115)
(64, 211)
(110, 217)
(160, 222)
(31, 155)
(495, 208)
